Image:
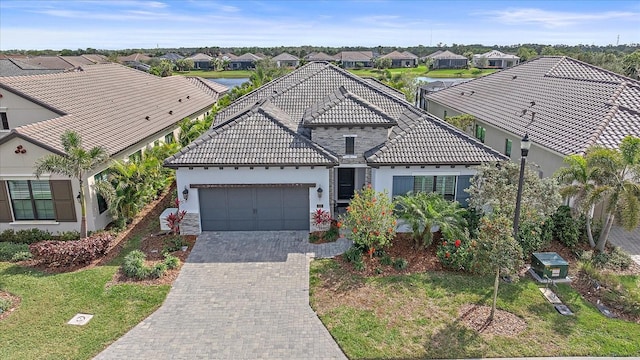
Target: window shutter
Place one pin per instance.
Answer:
(5, 209)
(464, 182)
(63, 200)
(402, 185)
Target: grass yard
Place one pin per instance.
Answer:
(416, 316)
(422, 71)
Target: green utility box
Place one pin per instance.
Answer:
(549, 265)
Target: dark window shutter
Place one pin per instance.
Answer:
(63, 200)
(464, 182)
(5, 209)
(402, 185)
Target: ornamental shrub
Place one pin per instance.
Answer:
(456, 254)
(9, 250)
(133, 265)
(400, 264)
(171, 261)
(25, 236)
(5, 304)
(370, 219)
(533, 235)
(71, 253)
(566, 229)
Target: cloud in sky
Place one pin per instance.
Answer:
(195, 23)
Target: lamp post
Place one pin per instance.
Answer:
(525, 145)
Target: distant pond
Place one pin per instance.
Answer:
(230, 82)
(449, 80)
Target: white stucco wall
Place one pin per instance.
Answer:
(21, 111)
(319, 175)
(382, 178)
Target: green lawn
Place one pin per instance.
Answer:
(38, 329)
(422, 71)
(416, 316)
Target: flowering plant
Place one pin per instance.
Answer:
(370, 219)
(456, 254)
(321, 217)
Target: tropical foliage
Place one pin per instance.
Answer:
(462, 122)
(75, 164)
(370, 219)
(427, 213)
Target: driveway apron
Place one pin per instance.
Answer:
(629, 241)
(240, 295)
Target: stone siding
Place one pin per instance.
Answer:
(190, 225)
(333, 139)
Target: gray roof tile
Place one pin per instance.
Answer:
(575, 103)
(396, 55)
(107, 104)
(285, 57)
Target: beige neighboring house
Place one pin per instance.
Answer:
(138, 57)
(495, 59)
(565, 105)
(201, 61)
(286, 60)
(109, 105)
(320, 56)
(354, 59)
(401, 59)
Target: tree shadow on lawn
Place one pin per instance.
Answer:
(562, 325)
(21, 270)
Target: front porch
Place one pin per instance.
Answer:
(344, 182)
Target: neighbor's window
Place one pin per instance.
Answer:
(31, 200)
(168, 139)
(349, 145)
(443, 185)
(480, 133)
(507, 147)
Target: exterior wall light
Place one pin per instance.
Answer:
(185, 194)
(319, 191)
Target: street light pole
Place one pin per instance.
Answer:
(525, 145)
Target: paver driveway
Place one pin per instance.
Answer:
(240, 295)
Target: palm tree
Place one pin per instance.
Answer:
(579, 183)
(617, 177)
(425, 212)
(75, 164)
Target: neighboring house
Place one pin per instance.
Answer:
(109, 105)
(401, 59)
(354, 59)
(173, 57)
(139, 66)
(447, 60)
(201, 61)
(244, 62)
(49, 62)
(286, 60)
(133, 58)
(432, 87)
(573, 105)
(495, 59)
(320, 56)
(307, 141)
(15, 67)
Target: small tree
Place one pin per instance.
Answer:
(483, 62)
(383, 63)
(75, 164)
(370, 219)
(462, 122)
(497, 252)
(163, 69)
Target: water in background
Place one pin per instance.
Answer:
(230, 82)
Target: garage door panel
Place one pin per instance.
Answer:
(260, 208)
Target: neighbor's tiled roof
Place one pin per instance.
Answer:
(320, 94)
(495, 54)
(172, 56)
(200, 57)
(49, 62)
(96, 58)
(285, 57)
(258, 135)
(107, 104)
(363, 56)
(213, 88)
(432, 142)
(247, 57)
(446, 55)
(134, 57)
(396, 55)
(13, 67)
(576, 104)
(345, 108)
(320, 56)
(434, 53)
(78, 60)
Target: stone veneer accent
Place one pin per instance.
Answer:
(333, 139)
(190, 224)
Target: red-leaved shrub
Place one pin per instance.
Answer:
(71, 253)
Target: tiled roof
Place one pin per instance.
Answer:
(434, 53)
(285, 57)
(108, 104)
(256, 136)
(396, 55)
(96, 58)
(78, 60)
(213, 88)
(200, 57)
(432, 142)
(319, 94)
(446, 55)
(495, 54)
(172, 56)
(576, 104)
(354, 56)
(49, 62)
(134, 57)
(384, 87)
(345, 108)
(247, 57)
(320, 56)
(13, 67)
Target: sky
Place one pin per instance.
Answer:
(132, 24)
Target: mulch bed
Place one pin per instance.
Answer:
(504, 323)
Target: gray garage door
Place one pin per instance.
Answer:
(260, 208)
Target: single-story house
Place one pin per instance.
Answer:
(307, 141)
(320, 56)
(201, 61)
(16, 67)
(565, 105)
(173, 57)
(244, 62)
(401, 59)
(447, 60)
(137, 57)
(354, 59)
(109, 105)
(286, 60)
(495, 59)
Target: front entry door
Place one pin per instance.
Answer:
(346, 183)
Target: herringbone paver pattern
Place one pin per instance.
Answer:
(240, 295)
